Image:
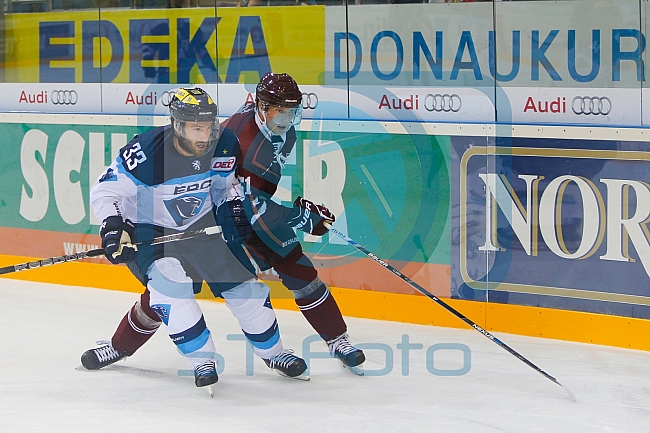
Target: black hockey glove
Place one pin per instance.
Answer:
(311, 217)
(118, 239)
(231, 216)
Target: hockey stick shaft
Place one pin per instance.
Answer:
(100, 251)
(449, 308)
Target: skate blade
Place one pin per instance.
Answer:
(210, 391)
(303, 377)
(80, 367)
(358, 370)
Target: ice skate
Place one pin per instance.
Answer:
(206, 375)
(289, 365)
(100, 357)
(350, 357)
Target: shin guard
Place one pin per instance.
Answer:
(320, 309)
(250, 304)
(312, 296)
(172, 299)
(136, 328)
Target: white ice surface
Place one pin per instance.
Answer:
(45, 328)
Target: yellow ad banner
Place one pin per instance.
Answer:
(185, 46)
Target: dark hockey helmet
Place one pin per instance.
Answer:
(278, 90)
(282, 92)
(193, 105)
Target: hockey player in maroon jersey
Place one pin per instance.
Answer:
(267, 135)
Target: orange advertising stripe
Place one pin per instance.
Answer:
(531, 321)
(365, 274)
(83, 273)
(361, 273)
(514, 319)
(42, 243)
(570, 325)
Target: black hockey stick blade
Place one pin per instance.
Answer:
(452, 310)
(100, 251)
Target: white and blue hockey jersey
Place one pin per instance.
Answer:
(151, 183)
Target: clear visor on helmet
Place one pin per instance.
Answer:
(206, 131)
(279, 120)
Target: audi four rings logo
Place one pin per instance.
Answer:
(591, 105)
(440, 102)
(309, 101)
(64, 97)
(166, 97)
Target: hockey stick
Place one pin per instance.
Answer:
(452, 310)
(100, 251)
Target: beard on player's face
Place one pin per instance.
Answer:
(194, 138)
(194, 148)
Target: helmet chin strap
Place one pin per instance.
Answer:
(263, 124)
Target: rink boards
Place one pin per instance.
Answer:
(531, 230)
(511, 61)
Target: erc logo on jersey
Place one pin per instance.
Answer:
(192, 187)
(226, 163)
(185, 207)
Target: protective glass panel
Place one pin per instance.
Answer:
(268, 37)
(419, 63)
(575, 62)
(47, 65)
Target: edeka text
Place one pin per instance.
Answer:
(134, 51)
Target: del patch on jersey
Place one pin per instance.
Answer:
(223, 164)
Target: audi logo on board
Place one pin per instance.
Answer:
(442, 102)
(166, 97)
(591, 105)
(309, 101)
(64, 97)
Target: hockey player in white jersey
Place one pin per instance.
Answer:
(271, 241)
(166, 181)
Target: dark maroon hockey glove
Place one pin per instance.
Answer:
(314, 218)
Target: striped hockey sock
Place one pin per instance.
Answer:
(322, 312)
(136, 327)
